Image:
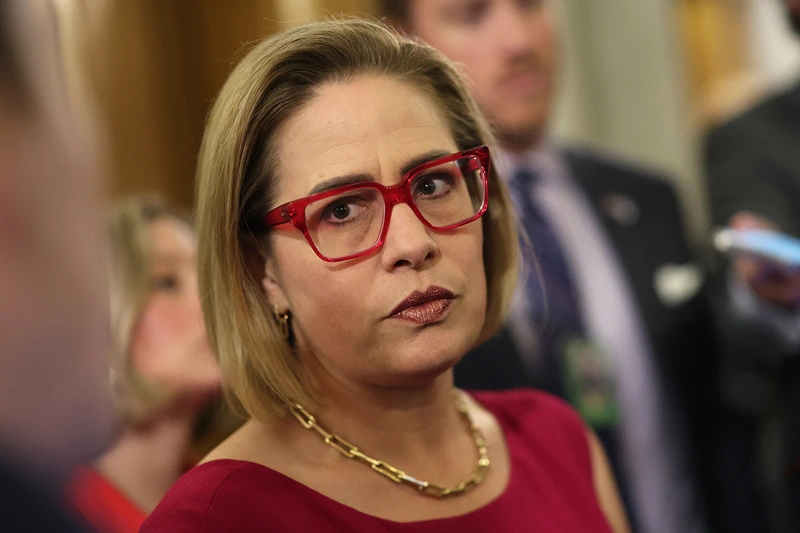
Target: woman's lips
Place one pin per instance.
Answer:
(425, 313)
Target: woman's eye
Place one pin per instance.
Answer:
(345, 210)
(432, 186)
(341, 211)
(165, 283)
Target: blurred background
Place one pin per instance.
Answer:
(643, 80)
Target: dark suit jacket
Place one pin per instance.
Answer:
(27, 508)
(681, 337)
(753, 164)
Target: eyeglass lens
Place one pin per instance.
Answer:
(352, 222)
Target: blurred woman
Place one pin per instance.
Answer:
(355, 243)
(162, 370)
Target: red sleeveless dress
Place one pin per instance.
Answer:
(550, 489)
(101, 505)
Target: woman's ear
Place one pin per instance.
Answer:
(253, 258)
(263, 269)
(270, 280)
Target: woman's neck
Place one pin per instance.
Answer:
(145, 462)
(416, 427)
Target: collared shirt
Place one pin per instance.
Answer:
(661, 492)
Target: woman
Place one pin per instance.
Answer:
(347, 261)
(162, 369)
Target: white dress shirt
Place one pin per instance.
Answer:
(660, 490)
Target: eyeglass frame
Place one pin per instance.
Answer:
(294, 212)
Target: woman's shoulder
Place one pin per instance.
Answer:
(536, 419)
(214, 496)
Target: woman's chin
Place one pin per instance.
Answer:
(423, 368)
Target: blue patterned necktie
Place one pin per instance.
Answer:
(550, 292)
(554, 307)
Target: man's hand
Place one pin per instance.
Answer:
(771, 282)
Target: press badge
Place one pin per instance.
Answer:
(590, 384)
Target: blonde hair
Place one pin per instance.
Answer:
(130, 279)
(236, 184)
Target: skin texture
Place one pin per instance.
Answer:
(509, 51)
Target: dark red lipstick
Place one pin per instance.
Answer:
(424, 307)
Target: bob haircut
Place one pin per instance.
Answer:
(237, 183)
(130, 277)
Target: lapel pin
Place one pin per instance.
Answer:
(620, 208)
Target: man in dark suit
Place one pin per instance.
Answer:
(753, 167)
(54, 408)
(612, 315)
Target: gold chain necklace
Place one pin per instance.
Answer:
(395, 474)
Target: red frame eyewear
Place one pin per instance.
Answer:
(294, 212)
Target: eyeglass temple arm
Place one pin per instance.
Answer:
(278, 216)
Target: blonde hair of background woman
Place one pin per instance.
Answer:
(130, 277)
(237, 172)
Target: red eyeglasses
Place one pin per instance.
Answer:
(352, 220)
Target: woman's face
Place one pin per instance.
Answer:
(343, 312)
(169, 344)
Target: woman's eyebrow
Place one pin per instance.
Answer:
(340, 181)
(424, 158)
(349, 179)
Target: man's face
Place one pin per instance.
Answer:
(509, 50)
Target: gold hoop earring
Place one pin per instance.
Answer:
(283, 322)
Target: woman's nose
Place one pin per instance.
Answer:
(408, 241)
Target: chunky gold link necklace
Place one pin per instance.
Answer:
(395, 474)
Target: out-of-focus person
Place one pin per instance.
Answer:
(54, 405)
(753, 169)
(354, 244)
(162, 370)
(754, 179)
(620, 325)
